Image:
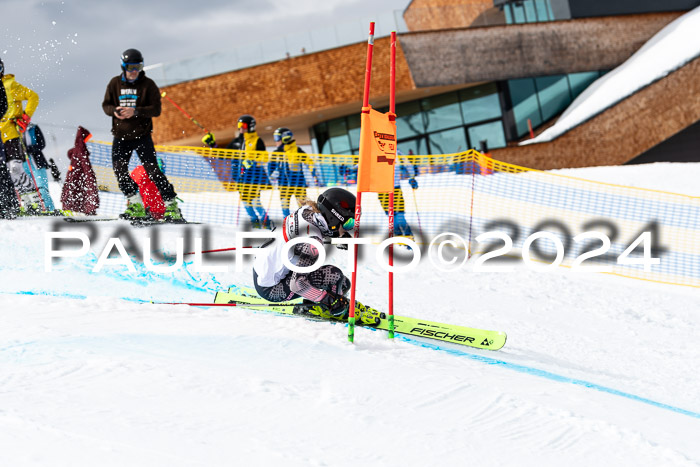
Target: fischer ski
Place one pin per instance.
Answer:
(152, 222)
(133, 222)
(91, 219)
(462, 335)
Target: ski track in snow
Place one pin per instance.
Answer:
(96, 377)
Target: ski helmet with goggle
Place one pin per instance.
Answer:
(338, 209)
(283, 134)
(132, 60)
(246, 122)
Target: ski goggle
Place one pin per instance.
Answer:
(243, 125)
(131, 67)
(349, 224)
(285, 136)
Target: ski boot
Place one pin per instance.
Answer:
(337, 308)
(366, 315)
(135, 210)
(172, 213)
(405, 245)
(30, 204)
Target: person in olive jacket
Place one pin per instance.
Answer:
(133, 100)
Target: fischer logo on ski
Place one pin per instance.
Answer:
(442, 335)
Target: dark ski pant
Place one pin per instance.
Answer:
(9, 205)
(143, 145)
(16, 156)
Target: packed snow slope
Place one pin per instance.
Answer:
(597, 369)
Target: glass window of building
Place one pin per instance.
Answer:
(338, 134)
(580, 81)
(553, 94)
(508, 12)
(448, 141)
(354, 131)
(321, 133)
(518, 12)
(409, 120)
(480, 103)
(491, 132)
(542, 98)
(528, 11)
(525, 105)
(544, 10)
(441, 112)
(417, 146)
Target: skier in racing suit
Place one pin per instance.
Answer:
(323, 289)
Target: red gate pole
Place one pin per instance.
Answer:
(358, 205)
(392, 115)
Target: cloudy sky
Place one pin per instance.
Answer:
(68, 50)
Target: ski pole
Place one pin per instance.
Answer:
(415, 202)
(249, 246)
(233, 248)
(269, 205)
(217, 251)
(242, 304)
(163, 94)
(29, 164)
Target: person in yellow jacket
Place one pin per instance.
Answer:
(248, 172)
(17, 119)
(287, 166)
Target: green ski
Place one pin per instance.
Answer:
(472, 337)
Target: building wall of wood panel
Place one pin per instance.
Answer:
(422, 15)
(278, 90)
(622, 132)
(438, 58)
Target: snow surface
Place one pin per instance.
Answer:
(597, 369)
(670, 49)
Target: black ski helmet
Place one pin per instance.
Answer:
(131, 56)
(246, 121)
(338, 208)
(283, 134)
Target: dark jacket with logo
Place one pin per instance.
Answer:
(143, 94)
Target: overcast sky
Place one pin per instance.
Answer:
(67, 51)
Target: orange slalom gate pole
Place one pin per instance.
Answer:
(358, 205)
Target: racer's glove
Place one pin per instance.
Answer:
(209, 140)
(23, 122)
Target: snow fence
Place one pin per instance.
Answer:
(466, 194)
